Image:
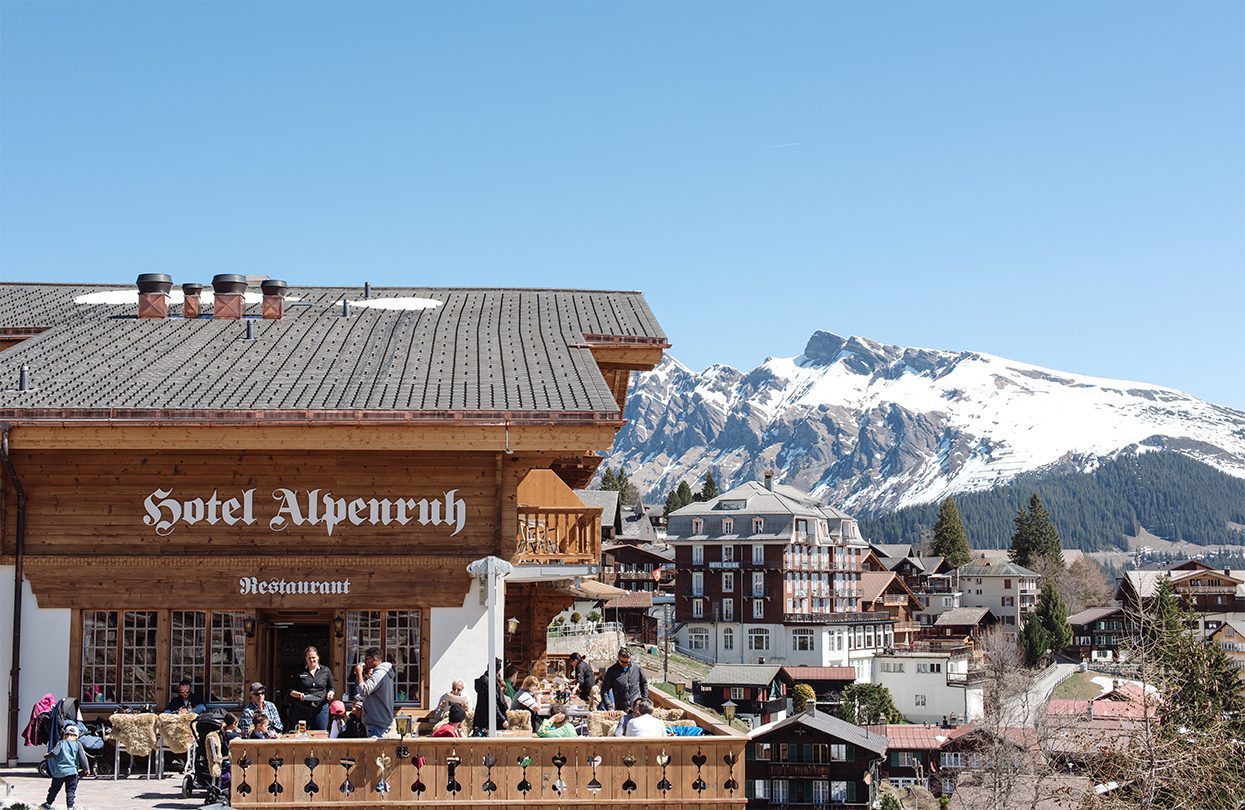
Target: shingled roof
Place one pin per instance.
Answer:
(470, 353)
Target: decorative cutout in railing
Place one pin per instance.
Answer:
(402, 773)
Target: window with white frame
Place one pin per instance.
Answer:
(758, 583)
(758, 608)
(918, 700)
(698, 526)
(760, 788)
(781, 791)
(952, 759)
(728, 639)
(698, 608)
(838, 792)
(698, 638)
(821, 792)
(728, 581)
(892, 666)
(728, 525)
(737, 693)
(838, 752)
(698, 555)
(758, 639)
(762, 751)
(926, 667)
(698, 583)
(802, 639)
(728, 554)
(728, 610)
(758, 554)
(758, 525)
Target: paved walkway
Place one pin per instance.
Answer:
(103, 793)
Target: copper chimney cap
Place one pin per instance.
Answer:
(155, 283)
(229, 283)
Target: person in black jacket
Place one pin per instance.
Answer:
(623, 682)
(581, 675)
(479, 721)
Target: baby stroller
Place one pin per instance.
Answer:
(201, 775)
(90, 735)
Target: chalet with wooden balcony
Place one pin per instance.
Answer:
(1201, 588)
(814, 758)
(201, 481)
(759, 692)
(1098, 634)
(887, 592)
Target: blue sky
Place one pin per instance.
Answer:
(1062, 183)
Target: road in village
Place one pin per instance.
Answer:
(1024, 709)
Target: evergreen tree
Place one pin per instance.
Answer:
(1034, 640)
(684, 493)
(866, 703)
(709, 490)
(609, 482)
(800, 696)
(950, 539)
(672, 502)
(1035, 536)
(1053, 614)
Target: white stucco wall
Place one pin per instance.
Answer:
(941, 699)
(458, 641)
(45, 658)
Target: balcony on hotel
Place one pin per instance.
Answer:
(554, 526)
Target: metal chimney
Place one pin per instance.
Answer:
(274, 298)
(769, 480)
(228, 290)
(190, 301)
(153, 296)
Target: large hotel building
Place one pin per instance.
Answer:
(199, 481)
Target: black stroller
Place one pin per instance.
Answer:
(200, 777)
(90, 735)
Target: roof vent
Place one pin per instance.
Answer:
(153, 296)
(345, 307)
(274, 298)
(228, 296)
(367, 291)
(250, 330)
(23, 379)
(769, 480)
(190, 300)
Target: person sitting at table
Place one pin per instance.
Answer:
(643, 723)
(259, 707)
(228, 732)
(525, 698)
(260, 728)
(557, 724)
(454, 696)
(632, 711)
(183, 701)
(453, 727)
(337, 719)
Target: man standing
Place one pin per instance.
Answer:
(623, 682)
(377, 691)
(581, 675)
(259, 705)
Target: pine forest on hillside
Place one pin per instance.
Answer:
(1170, 495)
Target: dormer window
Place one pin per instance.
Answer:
(698, 526)
(758, 525)
(728, 525)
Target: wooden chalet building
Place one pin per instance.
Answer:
(1097, 633)
(886, 592)
(638, 567)
(200, 482)
(1201, 588)
(759, 691)
(814, 758)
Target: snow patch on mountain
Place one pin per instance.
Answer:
(874, 427)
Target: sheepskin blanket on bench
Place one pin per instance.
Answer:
(603, 723)
(519, 720)
(137, 732)
(177, 731)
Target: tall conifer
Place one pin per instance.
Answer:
(950, 539)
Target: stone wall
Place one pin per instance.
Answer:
(600, 648)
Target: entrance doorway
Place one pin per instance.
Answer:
(289, 642)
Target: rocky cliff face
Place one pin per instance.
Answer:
(872, 427)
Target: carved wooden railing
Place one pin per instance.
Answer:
(558, 534)
(391, 773)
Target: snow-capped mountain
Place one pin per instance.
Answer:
(872, 427)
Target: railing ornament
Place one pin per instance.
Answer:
(663, 759)
(382, 764)
(558, 760)
(629, 784)
(418, 786)
(594, 784)
(451, 777)
(311, 788)
(346, 787)
(489, 761)
(276, 787)
(524, 785)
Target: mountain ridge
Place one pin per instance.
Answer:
(874, 427)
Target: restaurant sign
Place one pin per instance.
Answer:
(252, 585)
(312, 507)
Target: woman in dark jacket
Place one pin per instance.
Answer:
(311, 693)
(479, 721)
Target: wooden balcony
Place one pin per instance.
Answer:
(689, 772)
(558, 534)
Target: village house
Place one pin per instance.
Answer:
(1097, 634)
(813, 758)
(1201, 588)
(1008, 590)
(760, 693)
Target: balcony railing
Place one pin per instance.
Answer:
(705, 771)
(558, 534)
(894, 599)
(469, 772)
(837, 618)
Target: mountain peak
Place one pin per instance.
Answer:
(863, 354)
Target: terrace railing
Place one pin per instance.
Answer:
(558, 534)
